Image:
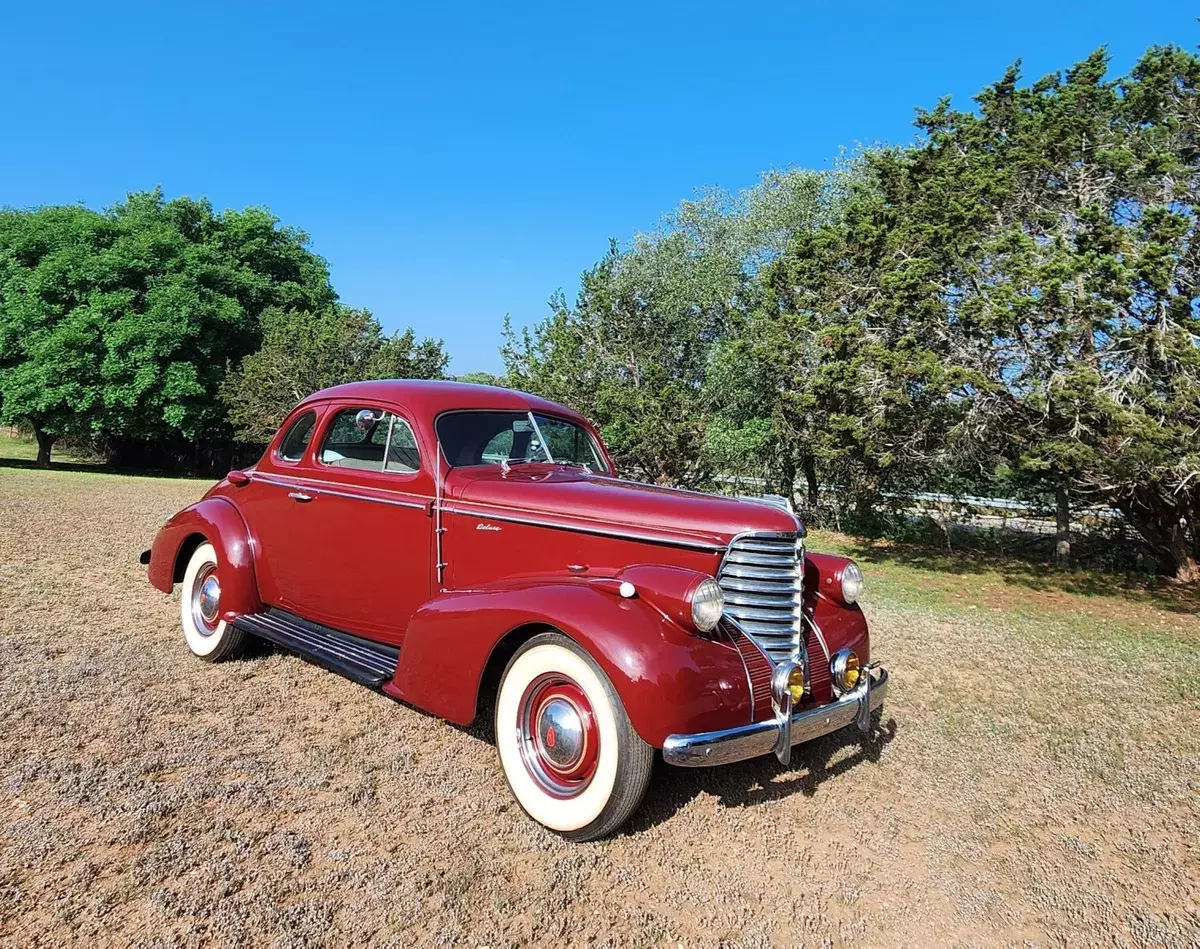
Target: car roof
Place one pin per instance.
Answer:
(430, 398)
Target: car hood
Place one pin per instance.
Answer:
(558, 492)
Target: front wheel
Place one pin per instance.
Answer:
(207, 635)
(567, 748)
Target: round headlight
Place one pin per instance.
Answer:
(708, 603)
(852, 582)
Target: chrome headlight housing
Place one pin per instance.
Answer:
(845, 670)
(708, 603)
(852, 582)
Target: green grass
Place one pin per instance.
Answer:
(13, 446)
(38, 480)
(969, 581)
(1128, 620)
(17, 447)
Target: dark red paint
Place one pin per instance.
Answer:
(541, 546)
(216, 520)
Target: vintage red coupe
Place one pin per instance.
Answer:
(446, 543)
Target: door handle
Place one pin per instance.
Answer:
(300, 496)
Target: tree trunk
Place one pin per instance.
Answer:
(1183, 557)
(814, 487)
(787, 480)
(1062, 537)
(1166, 532)
(44, 441)
(1187, 568)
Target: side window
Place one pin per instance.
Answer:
(297, 438)
(370, 440)
(499, 448)
(402, 451)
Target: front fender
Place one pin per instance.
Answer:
(842, 624)
(844, 627)
(670, 681)
(216, 520)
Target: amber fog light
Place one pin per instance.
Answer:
(796, 684)
(789, 679)
(844, 669)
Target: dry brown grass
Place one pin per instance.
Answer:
(1037, 785)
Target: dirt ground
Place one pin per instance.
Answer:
(1038, 783)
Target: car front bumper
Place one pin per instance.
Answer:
(705, 749)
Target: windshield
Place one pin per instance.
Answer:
(510, 438)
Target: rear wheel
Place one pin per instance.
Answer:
(208, 636)
(567, 748)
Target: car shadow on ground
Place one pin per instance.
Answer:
(741, 784)
(746, 783)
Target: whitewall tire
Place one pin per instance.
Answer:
(207, 635)
(571, 756)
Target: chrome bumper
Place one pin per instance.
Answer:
(749, 741)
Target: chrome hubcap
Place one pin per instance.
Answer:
(560, 733)
(206, 601)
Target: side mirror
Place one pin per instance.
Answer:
(238, 478)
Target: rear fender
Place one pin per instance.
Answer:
(670, 681)
(217, 521)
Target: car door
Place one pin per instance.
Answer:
(274, 507)
(363, 545)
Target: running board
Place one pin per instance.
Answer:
(361, 660)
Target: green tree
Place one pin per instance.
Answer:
(1016, 292)
(636, 351)
(303, 352)
(631, 353)
(1067, 239)
(121, 323)
(760, 383)
(480, 378)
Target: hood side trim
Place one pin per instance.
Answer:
(663, 540)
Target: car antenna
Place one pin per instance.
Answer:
(437, 507)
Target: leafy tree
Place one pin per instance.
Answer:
(481, 378)
(121, 323)
(303, 352)
(1066, 215)
(631, 353)
(637, 349)
(760, 379)
(1016, 292)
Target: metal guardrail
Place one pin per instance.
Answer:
(933, 497)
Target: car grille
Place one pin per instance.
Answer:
(820, 681)
(762, 577)
(758, 670)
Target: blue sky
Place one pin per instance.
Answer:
(457, 161)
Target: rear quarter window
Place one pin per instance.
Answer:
(298, 435)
